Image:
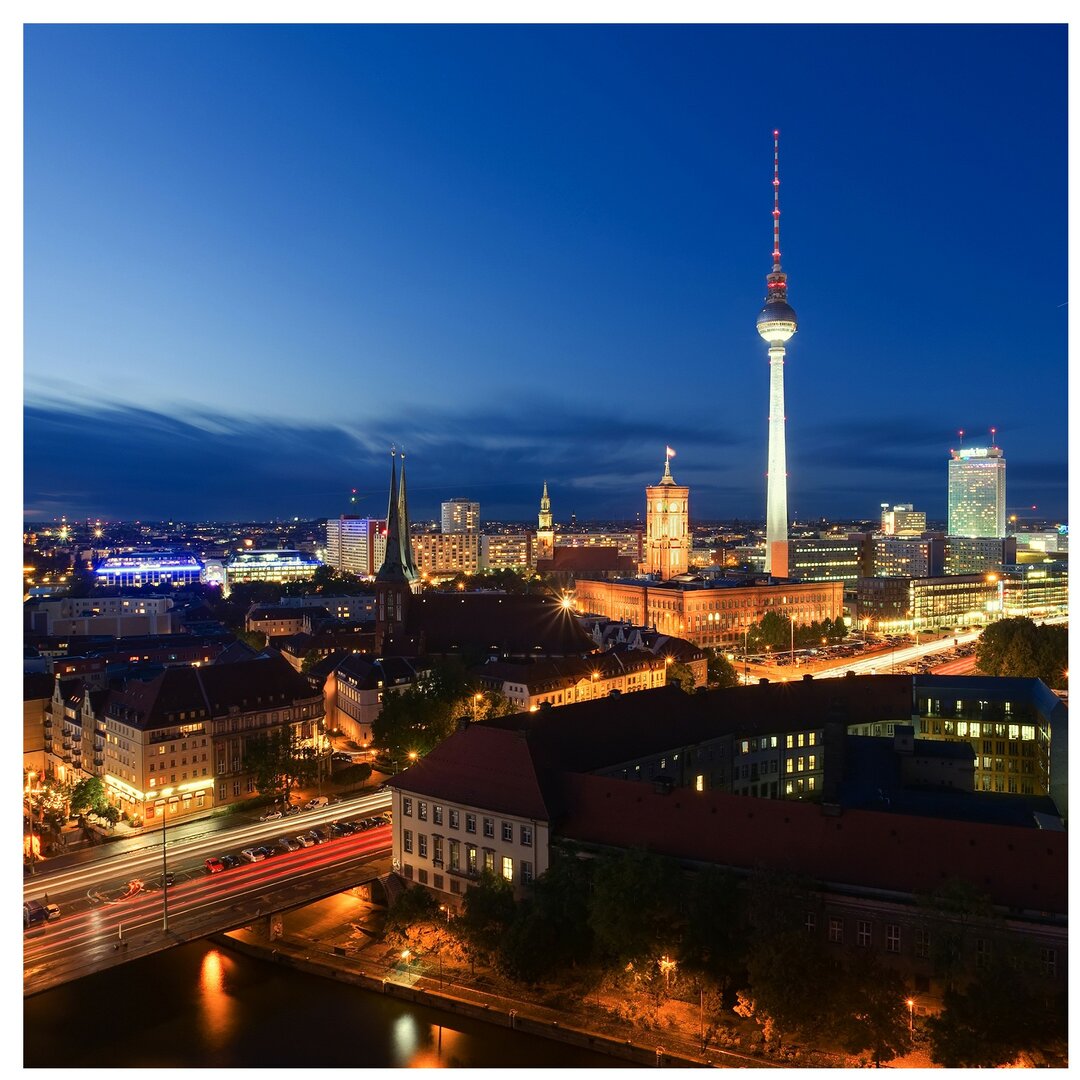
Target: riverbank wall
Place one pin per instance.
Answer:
(529, 1019)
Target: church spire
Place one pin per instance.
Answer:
(398, 565)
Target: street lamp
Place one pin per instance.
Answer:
(166, 792)
(30, 776)
(911, 1016)
(477, 698)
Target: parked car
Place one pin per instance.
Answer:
(337, 828)
(315, 836)
(253, 854)
(266, 851)
(214, 866)
(304, 840)
(273, 814)
(292, 809)
(314, 804)
(170, 878)
(287, 844)
(229, 862)
(340, 755)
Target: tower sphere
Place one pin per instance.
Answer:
(776, 321)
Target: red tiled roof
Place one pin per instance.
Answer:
(1018, 867)
(483, 767)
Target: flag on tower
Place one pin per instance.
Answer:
(670, 452)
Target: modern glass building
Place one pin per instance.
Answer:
(149, 568)
(270, 565)
(977, 492)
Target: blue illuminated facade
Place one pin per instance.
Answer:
(149, 568)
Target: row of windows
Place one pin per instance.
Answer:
(474, 858)
(525, 835)
(864, 938)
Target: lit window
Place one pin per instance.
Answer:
(507, 868)
(406, 840)
(406, 807)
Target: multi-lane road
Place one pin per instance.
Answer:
(104, 920)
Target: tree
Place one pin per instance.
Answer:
(714, 940)
(551, 931)
(774, 630)
(871, 1009)
(255, 638)
(721, 670)
(487, 913)
(278, 762)
(680, 675)
(793, 976)
(1007, 1008)
(631, 910)
(1020, 648)
(952, 913)
(414, 905)
(88, 797)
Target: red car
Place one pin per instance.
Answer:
(214, 866)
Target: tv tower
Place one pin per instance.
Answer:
(776, 323)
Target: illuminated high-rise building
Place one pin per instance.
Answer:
(776, 323)
(460, 515)
(977, 492)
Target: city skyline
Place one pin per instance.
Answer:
(241, 287)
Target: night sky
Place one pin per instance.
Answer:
(256, 256)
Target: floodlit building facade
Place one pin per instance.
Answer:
(708, 613)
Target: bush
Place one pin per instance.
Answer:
(353, 774)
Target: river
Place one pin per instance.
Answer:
(200, 1005)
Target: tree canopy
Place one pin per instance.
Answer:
(278, 762)
(1022, 649)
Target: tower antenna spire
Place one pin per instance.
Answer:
(993, 436)
(961, 438)
(776, 200)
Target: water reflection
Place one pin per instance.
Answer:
(227, 1010)
(215, 1003)
(438, 1049)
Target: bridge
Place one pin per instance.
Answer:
(115, 909)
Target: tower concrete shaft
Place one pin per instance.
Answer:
(776, 514)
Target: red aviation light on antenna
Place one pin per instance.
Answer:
(776, 134)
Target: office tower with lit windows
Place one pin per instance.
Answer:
(776, 323)
(350, 544)
(977, 492)
(902, 520)
(460, 515)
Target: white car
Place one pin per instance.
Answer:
(305, 841)
(252, 855)
(271, 815)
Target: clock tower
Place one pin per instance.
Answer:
(667, 525)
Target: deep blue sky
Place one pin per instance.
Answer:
(256, 256)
